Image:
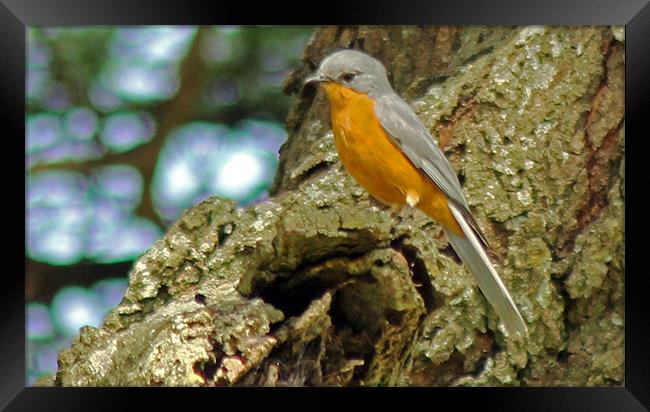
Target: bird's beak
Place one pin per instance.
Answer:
(316, 77)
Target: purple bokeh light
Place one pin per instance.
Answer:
(123, 131)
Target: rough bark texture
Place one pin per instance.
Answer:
(321, 285)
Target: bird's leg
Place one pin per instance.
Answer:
(412, 199)
(405, 212)
(395, 209)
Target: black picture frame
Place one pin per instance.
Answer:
(16, 15)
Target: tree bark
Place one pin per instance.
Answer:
(322, 285)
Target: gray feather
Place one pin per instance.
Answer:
(473, 255)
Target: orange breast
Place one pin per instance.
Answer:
(372, 158)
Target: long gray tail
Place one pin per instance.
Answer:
(473, 254)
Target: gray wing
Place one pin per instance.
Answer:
(408, 132)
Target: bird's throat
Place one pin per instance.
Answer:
(340, 96)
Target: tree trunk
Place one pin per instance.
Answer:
(322, 285)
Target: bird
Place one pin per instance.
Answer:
(386, 148)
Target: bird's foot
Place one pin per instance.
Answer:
(406, 214)
(395, 210)
(412, 199)
(402, 214)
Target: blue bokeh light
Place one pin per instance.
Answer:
(108, 216)
(243, 175)
(54, 138)
(38, 54)
(151, 45)
(43, 131)
(67, 150)
(58, 247)
(120, 182)
(267, 135)
(181, 180)
(186, 166)
(126, 241)
(55, 188)
(201, 159)
(38, 71)
(49, 330)
(123, 131)
(57, 97)
(110, 291)
(42, 357)
(56, 216)
(103, 98)
(37, 81)
(81, 123)
(69, 220)
(74, 307)
(142, 65)
(141, 83)
(39, 323)
(45, 360)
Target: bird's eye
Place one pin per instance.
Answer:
(348, 77)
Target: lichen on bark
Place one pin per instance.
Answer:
(322, 285)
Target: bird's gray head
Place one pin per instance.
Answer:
(355, 70)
